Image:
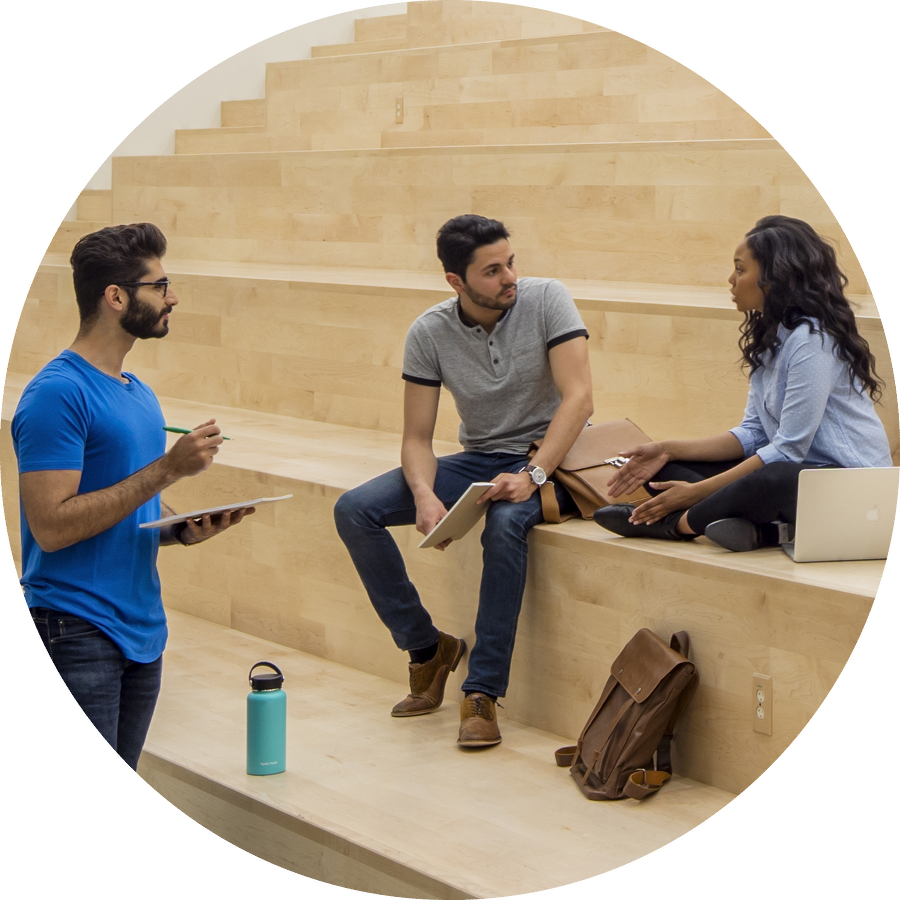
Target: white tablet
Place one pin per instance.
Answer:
(460, 517)
(183, 517)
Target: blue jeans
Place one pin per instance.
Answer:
(117, 694)
(363, 516)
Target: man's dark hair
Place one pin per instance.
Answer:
(112, 255)
(459, 238)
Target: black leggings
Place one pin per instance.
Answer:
(766, 495)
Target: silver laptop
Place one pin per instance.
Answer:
(844, 514)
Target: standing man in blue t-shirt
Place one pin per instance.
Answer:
(92, 460)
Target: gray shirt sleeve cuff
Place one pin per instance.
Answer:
(561, 339)
(415, 380)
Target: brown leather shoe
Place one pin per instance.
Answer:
(427, 680)
(478, 722)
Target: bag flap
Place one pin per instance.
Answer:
(643, 663)
(601, 442)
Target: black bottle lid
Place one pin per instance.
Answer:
(267, 681)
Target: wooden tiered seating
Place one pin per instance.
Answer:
(384, 809)
(301, 247)
(558, 89)
(436, 23)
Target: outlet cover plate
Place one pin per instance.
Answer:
(762, 697)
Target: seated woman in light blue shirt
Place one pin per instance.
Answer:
(811, 404)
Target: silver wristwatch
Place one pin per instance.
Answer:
(538, 475)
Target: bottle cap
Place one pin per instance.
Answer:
(266, 681)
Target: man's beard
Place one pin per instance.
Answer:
(486, 302)
(141, 320)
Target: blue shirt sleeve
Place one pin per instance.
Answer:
(750, 432)
(50, 426)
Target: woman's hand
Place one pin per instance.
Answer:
(643, 463)
(675, 495)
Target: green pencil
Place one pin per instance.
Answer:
(175, 430)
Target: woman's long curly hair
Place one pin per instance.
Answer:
(801, 281)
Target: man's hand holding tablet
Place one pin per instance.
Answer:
(460, 518)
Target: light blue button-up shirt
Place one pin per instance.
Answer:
(803, 407)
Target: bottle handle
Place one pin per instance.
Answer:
(263, 663)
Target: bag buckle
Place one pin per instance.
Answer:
(616, 461)
(643, 775)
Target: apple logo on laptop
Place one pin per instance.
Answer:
(872, 515)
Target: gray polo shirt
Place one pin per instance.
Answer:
(501, 382)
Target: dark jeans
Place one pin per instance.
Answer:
(117, 694)
(767, 495)
(363, 516)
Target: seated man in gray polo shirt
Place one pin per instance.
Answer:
(513, 354)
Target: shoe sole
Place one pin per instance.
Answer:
(737, 535)
(479, 743)
(431, 709)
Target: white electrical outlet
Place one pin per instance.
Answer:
(762, 703)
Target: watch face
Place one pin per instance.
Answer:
(538, 475)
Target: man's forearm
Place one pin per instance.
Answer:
(84, 516)
(568, 422)
(419, 466)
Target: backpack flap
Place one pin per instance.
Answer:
(643, 663)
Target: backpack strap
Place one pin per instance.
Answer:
(680, 643)
(565, 756)
(642, 783)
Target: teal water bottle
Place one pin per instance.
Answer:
(266, 722)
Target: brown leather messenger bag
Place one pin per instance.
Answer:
(587, 468)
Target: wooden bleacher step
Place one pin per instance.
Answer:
(389, 45)
(433, 23)
(560, 89)
(658, 212)
(393, 807)
(95, 206)
(325, 344)
(386, 805)
(380, 28)
(243, 113)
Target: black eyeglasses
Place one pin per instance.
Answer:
(163, 283)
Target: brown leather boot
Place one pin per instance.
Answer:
(478, 722)
(427, 680)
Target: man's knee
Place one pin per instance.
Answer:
(348, 511)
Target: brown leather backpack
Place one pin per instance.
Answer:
(649, 686)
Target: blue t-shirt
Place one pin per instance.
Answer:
(73, 416)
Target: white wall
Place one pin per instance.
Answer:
(89, 70)
(242, 77)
